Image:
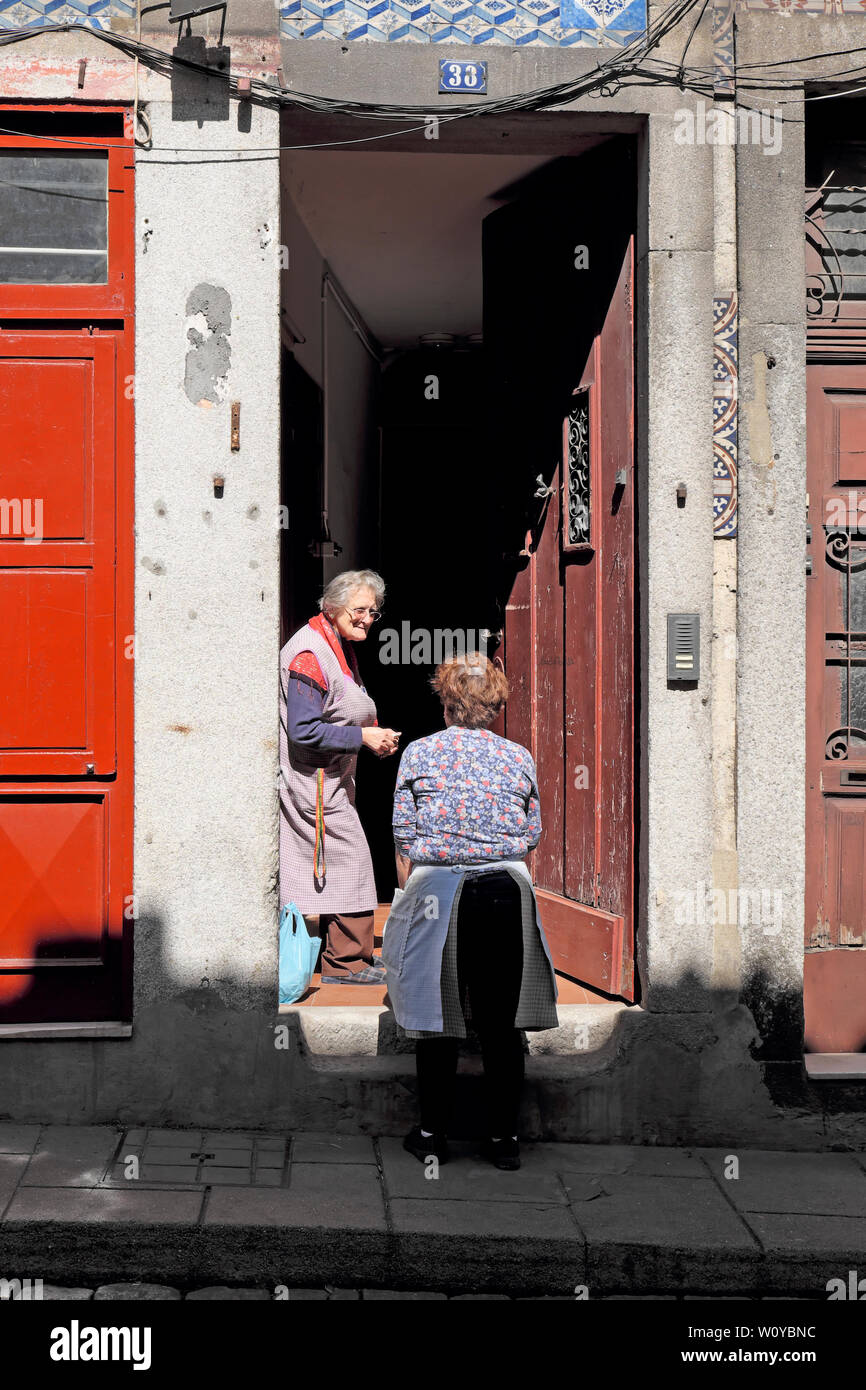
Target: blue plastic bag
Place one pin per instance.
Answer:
(298, 955)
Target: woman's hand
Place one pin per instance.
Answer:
(404, 869)
(382, 742)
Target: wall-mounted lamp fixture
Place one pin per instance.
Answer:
(325, 549)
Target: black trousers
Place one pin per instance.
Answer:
(489, 968)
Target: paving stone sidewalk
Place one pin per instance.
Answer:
(210, 1214)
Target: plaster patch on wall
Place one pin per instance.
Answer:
(208, 325)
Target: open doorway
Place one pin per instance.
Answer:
(458, 414)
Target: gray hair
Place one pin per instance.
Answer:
(338, 590)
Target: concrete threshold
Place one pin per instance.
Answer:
(37, 1031)
(835, 1066)
(371, 1031)
(577, 1220)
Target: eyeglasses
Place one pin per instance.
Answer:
(359, 613)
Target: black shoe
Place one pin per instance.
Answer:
(502, 1153)
(434, 1146)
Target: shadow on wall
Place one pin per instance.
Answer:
(203, 96)
(219, 1054)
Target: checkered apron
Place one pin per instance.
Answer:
(325, 863)
(536, 1007)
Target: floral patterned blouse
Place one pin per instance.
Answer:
(466, 795)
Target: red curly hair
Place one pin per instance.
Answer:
(471, 688)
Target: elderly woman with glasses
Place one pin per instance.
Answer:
(326, 716)
(464, 937)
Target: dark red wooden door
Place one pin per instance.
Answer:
(835, 961)
(559, 332)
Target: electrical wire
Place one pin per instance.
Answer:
(631, 65)
(264, 93)
(691, 36)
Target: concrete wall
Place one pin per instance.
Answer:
(771, 623)
(674, 442)
(206, 594)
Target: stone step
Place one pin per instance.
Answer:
(356, 1069)
(371, 1031)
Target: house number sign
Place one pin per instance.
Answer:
(462, 77)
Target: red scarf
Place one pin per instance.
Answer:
(340, 649)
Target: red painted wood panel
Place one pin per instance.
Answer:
(43, 665)
(66, 644)
(835, 987)
(53, 863)
(616, 577)
(548, 705)
(583, 940)
(57, 682)
(518, 658)
(46, 414)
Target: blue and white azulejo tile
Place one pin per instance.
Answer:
(518, 23)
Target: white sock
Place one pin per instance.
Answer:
(426, 1134)
(495, 1140)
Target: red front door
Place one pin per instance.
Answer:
(558, 325)
(66, 569)
(835, 908)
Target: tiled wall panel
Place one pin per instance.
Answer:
(20, 14)
(532, 23)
